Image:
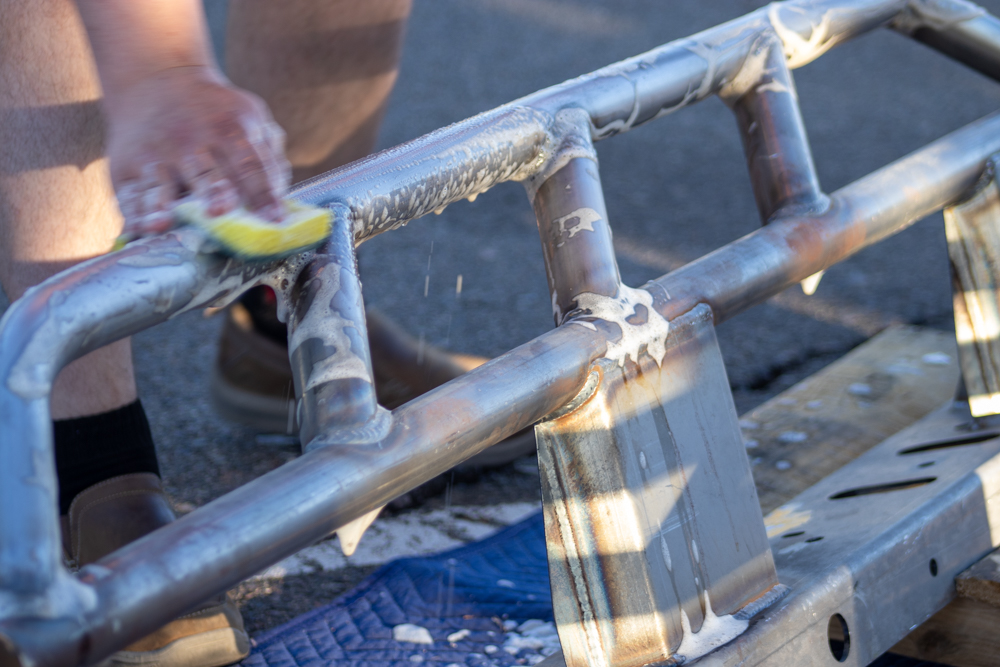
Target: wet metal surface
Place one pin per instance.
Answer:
(147, 583)
(650, 509)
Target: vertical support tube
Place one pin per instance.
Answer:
(766, 105)
(573, 220)
(328, 345)
(973, 232)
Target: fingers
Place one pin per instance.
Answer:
(146, 202)
(202, 177)
(252, 158)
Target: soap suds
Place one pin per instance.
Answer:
(415, 634)
(322, 322)
(715, 631)
(665, 550)
(584, 217)
(799, 51)
(652, 333)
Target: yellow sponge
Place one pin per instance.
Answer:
(246, 235)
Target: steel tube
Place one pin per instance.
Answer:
(388, 189)
(574, 230)
(65, 317)
(780, 161)
(153, 579)
(328, 343)
(958, 29)
(761, 264)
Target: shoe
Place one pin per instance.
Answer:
(120, 510)
(251, 381)
(252, 378)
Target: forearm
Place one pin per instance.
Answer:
(134, 40)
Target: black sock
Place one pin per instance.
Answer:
(92, 449)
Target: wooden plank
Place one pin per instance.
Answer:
(966, 633)
(837, 414)
(973, 232)
(982, 581)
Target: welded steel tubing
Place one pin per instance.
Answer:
(576, 236)
(150, 581)
(777, 150)
(209, 550)
(328, 342)
(960, 30)
(62, 319)
(761, 264)
(389, 189)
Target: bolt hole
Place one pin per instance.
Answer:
(815, 539)
(795, 534)
(934, 567)
(839, 637)
(926, 464)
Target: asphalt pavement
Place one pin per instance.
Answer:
(676, 189)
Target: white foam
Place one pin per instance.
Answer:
(800, 51)
(715, 631)
(415, 634)
(320, 322)
(936, 359)
(652, 333)
(584, 217)
(459, 636)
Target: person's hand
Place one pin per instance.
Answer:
(186, 131)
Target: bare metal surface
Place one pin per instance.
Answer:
(783, 253)
(957, 28)
(650, 508)
(149, 582)
(860, 543)
(774, 136)
(64, 318)
(512, 142)
(328, 345)
(972, 228)
(575, 231)
(872, 564)
(332, 486)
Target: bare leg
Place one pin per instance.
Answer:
(56, 202)
(325, 68)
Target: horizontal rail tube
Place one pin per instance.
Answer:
(959, 29)
(388, 189)
(150, 581)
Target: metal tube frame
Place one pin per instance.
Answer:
(358, 457)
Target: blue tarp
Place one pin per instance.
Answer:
(455, 590)
(475, 587)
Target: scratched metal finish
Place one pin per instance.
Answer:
(328, 342)
(65, 317)
(574, 230)
(512, 142)
(391, 188)
(779, 159)
(647, 493)
(487, 405)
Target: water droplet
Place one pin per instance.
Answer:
(859, 389)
